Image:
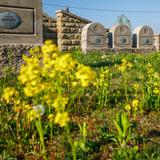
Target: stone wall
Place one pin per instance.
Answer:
(11, 57)
(157, 42)
(69, 28)
(49, 28)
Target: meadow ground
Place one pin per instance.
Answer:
(85, 107)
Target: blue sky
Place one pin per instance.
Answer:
(108, 19)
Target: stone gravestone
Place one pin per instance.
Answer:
(143, 37)
(20, 22)
(120, 36)
(93, 37)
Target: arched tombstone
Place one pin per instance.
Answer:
(120, 36)
(143, 37)
(93, 37)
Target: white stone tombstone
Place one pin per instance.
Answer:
(143, 37)
(93, 37)
(120, 36)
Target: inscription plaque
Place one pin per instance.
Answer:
(123, 40)
(146, 41)
(9, 20)
(96, 40)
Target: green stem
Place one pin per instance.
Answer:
(41, 136)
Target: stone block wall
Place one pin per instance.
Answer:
(157, 42)
(69, 28)
(49, 28)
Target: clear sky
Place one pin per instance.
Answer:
(108, 19)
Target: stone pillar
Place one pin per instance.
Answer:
(69, 28)
(59, 16)
(157, 41)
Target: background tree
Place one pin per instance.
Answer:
(123, 20)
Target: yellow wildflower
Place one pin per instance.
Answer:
(9, 94)
(62, 119)
(135, 104)
(86, 75)
(60, 103)
(156, 91)
(51, 117)
(128, 107)
(27, 107)
(136, 86)
(49, 41)
(49, 48)
(65, 63)
(32, 115)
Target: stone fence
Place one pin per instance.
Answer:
(11, 57)
(69, 28)
(65, 30)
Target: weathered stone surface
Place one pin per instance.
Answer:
(69, 28)
(157, 42)
(49, 28)
(143, 37)
(93, 37)
(66, 42)
(11, 57)
(30, 29)
(120, 36)
(65, 30)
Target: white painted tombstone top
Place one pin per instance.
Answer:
(144, 37)
(93, 37)
(144, 30)
(121, 36)
(121, 29)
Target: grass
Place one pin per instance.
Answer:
(125, 84)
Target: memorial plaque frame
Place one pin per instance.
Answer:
(28, 11)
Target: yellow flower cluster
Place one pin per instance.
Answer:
(60, 103)
(154, 79)
(46, 77)
(85, 75)
(30, 76)
(10, 94)
(103, 77)
(61, 118)
(125, 66)
(133, 107)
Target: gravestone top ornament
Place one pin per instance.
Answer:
(9, 20)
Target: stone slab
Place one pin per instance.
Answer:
(93, 37)
(120, 36)
(143, 37)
